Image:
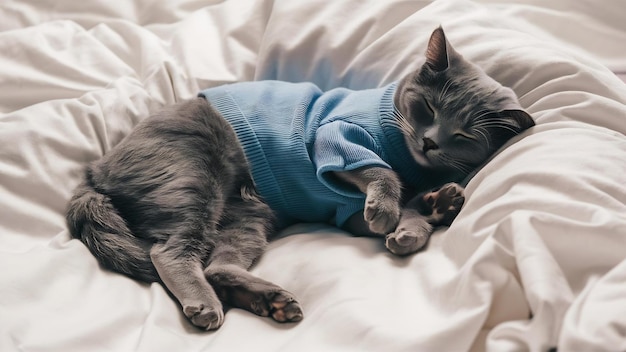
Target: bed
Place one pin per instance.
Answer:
(536, 258)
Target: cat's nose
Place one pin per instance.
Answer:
(429, 144)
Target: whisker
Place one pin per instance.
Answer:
(404, 124)
(455, 163)
(498, 122)
(497, 125)
(459, 166)
(483, 113)
(444, 90)
(468, 91)
(483, 133)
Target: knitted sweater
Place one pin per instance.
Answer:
(294, 135)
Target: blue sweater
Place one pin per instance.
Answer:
(294, 135)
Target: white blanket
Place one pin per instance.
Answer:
(535, 259)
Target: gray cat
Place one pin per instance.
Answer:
(190, 197)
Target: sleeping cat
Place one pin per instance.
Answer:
(190, 197)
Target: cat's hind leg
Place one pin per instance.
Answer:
(438, 207)
(241, 241)
(180, 267)
(240, 289)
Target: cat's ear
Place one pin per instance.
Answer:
(437, 51)
(521, 117)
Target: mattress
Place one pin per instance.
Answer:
(535, 259)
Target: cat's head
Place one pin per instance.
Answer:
(453, 116)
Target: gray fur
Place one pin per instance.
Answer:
(175, 202)
(175, 199)
(453, 117)
(472, 114)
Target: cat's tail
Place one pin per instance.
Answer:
(92, 218)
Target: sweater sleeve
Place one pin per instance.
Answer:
(344, 146)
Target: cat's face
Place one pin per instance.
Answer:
(453, 115)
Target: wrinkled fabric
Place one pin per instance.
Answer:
(535, 258)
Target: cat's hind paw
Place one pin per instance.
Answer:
(284, 307)
(276, 303)
(204, 316)
(240, 289)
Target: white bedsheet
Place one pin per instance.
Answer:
(535, 259)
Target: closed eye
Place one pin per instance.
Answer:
(432, 111)
(462, 135)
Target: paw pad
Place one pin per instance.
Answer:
(284, 308)
(445, 202)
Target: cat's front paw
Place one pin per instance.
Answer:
(444, 203)
(381, 214)
(405, 242)
(410, 236)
